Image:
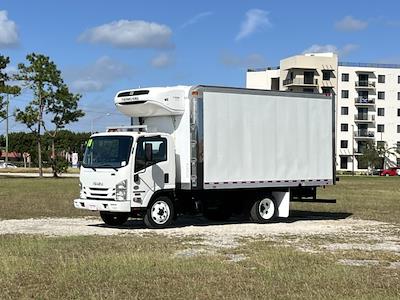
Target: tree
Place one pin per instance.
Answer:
(387, 153)
(7, 89)
(4, 88)
(64, 109)
(373, 156)
(51, 96)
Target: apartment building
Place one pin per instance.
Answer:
(367, 101)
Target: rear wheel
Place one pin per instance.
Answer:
(113, 219)
(160, 213)
(264, 210)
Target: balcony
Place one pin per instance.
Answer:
(301, 82)
(364, 135)
(363, 101)
(364, 118)
(365, 84)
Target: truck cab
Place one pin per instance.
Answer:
(124, 172)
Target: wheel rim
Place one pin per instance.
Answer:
(160, 212)
(266, 209)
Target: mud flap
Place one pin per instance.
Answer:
(282, 200)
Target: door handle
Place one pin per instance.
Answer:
(166, 178)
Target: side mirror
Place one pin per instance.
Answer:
(148, 148)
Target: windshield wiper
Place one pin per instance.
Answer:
(109, 166)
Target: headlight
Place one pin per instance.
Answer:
(121, 190)
(82, 193)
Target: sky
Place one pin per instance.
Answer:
(102, 47)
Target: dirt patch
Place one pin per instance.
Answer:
(222, 235)
(208, 238)
(359, 262)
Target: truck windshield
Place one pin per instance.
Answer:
(107, 152)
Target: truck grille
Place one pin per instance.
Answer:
(96, 193)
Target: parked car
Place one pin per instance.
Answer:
(377, 171)
(395, 171)
(7, 165)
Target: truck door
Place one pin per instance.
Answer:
(155, 174)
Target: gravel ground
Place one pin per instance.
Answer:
(208, 238)
(193, 226)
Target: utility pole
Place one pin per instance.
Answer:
(39, 137)
(352, 147)
(7, 104)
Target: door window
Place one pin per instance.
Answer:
(159, 146)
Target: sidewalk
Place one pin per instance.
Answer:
(36, 174)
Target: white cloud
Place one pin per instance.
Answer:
(255, 19)
(196, 19)
(8, 31)
(343, 51)
(250, 61)
(347, 49)
(162, 60)
(321, 49)
(97, 76)
(130, 34)
(349, 23)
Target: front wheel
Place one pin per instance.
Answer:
(264, 210)
(160, 213)
(113, 219)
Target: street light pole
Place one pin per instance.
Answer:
(92, 121)
(352, 147)
(7, 104)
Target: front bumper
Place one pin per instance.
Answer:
(103, 205)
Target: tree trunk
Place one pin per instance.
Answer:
(53, 157)
(40, 157)
(38, 132)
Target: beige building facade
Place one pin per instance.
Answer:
(367, 101)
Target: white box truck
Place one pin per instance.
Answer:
(215, 149)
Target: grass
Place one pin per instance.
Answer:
(36, 170)
(22, 198)
(374, 198)
(147, 268)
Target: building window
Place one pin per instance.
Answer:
(398, 146)
(381, 95)
(398, 79)
(381, 78)
(398, 112)
(309, 91)
(380, 144)
(326, 75)
(345, 77)
(344, 127)
(398, 95)
(344, 110)
(345, 94)
(381, 112)
(344, 144)
(327, 91)
(381, 128)
(343, 162)
(398, 128)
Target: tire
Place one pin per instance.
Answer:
(264, 210)
(160, 213)
(113, 219)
